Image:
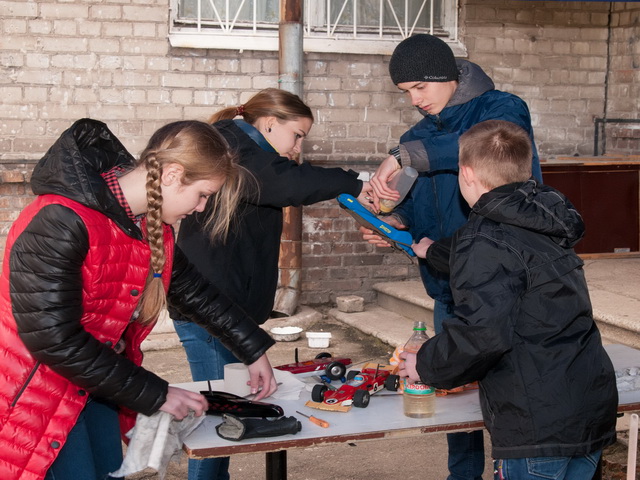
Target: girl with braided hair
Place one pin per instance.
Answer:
(88, 267)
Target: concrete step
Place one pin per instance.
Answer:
(163, 336)
(378, 322)
(408, 299)
(616, 310)
(391, 319)
(613, 286)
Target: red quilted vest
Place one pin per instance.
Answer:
(115, 270)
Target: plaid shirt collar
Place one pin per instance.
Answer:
(111, 178)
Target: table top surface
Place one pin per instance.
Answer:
(382, 418)
(593, 161)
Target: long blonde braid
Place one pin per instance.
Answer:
(204, 154)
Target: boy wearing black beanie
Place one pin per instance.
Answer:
(453, 95)
(423, 58)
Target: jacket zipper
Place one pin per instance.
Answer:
(434, 187)
(26, 384)
(438, 122)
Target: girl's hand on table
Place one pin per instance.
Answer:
(180, 402)
(261, 379)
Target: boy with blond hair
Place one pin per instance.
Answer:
(523, 324)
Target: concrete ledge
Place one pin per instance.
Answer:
(616, 309)
(615, 297)
(621, 326)
(408, 299)
(399, 303)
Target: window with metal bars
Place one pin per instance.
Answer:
(349, 26)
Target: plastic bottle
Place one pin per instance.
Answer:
(402, 182)
(419, 399)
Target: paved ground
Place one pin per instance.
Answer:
(423, 459)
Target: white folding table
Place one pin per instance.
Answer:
(382, 419)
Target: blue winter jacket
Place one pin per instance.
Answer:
(435, 208)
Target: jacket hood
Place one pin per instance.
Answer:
(472, 82)
(535, 207)
(72, 166)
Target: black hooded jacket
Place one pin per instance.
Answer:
(524, 328)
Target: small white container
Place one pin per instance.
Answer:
(318, 339)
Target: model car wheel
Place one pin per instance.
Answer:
(335, 370)
(352, 374)
(361, 398)
(317, 394)
(392, 383)
(322, 355)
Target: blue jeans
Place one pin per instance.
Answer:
(207, 358)
(466, 450)
(547, 468)
(93, 447)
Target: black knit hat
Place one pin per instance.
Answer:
(422, 58)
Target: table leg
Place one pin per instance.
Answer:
(276, 465)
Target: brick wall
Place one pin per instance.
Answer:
(623, 95)
(63, 60)
(552, 56)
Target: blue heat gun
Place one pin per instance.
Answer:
(398, 239)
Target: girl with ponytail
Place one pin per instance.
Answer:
(267, 132)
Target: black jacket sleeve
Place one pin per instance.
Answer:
(471, 343)
(286, 183)
(438, 255)
(193, 297)
(46, 294)
(283, 182)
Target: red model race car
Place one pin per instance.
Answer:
(359, 387)
(324, 365)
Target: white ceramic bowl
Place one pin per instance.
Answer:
(286, 334)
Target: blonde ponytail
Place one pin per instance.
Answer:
(270, 102)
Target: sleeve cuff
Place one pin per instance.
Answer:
(395, 151)
(415, 155)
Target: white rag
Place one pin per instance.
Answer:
(628, 379)
(155, 441)
(289, 387)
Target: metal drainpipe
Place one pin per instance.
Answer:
(290, 78)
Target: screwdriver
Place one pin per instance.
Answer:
(315, 420)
